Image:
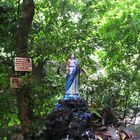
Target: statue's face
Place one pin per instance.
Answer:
(72, 55)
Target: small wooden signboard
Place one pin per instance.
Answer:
(15, 82)
(23, 64)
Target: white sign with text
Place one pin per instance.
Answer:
(23, 64)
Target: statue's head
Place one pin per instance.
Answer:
(72, 56)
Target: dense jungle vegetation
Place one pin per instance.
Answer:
(104, 35)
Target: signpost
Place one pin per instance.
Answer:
(23, 64)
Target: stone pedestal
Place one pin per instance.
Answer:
(69, 119)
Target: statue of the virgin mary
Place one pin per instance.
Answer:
(71, 88)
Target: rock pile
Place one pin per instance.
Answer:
(70, 119)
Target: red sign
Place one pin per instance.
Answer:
(23, 64)
(15, 82)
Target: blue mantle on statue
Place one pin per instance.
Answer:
(71, 87)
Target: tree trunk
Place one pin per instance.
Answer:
(27, 13)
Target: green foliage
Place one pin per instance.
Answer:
(105, 37)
